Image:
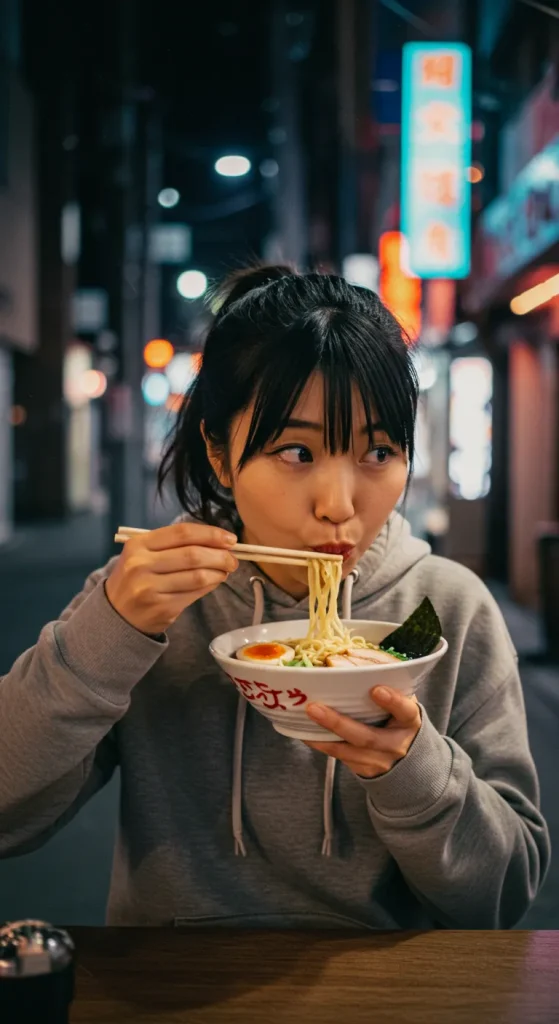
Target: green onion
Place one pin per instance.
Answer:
(396, 654)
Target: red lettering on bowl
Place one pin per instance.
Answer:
(270, 698)
(297, 697)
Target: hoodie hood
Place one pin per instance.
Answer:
(394, 552)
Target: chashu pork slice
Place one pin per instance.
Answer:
(360, 656)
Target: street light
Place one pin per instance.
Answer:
(192, 284)
(168, 197)
(233, 166)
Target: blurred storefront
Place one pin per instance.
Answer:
(83, 384)
(513, 294)
(18, 234)
(448, 500)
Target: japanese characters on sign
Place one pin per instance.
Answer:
(436, 154)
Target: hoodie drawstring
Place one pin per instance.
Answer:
(257, 585)
(237, 790)
(348, 593)
(236, 810)
(328, 809)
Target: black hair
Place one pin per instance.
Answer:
(274, 328)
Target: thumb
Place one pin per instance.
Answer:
(404, 710)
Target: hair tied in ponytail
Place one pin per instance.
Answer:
(246, 280)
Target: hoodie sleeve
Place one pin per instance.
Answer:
(460, 815)
(58, 705)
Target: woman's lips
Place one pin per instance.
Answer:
(345, 550)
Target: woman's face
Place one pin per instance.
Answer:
(295, 494)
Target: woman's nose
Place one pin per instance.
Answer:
(334, 497)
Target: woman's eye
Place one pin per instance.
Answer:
(379, 456)
(295, 455)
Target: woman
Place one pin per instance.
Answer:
(297, 433)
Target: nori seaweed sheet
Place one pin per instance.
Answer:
(418, 635)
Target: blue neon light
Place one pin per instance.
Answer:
(436, 155)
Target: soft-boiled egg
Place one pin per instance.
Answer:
(269, 654)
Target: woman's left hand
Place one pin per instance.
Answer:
(370, 750)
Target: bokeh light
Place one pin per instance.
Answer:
(181, 371)
(155, 389)
(536, 296)
(233, 166)
(94, 383)
(168, 197)
(158, 353)
(192, 284)
(475, 174)
(269, 168)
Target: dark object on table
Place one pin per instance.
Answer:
(36, 973)
(418, 635)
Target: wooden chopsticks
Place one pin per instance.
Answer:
(250, 552)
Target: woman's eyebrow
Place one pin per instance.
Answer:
(295, 424)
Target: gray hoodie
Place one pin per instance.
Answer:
(222, 820)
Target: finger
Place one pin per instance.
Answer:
(189, 581)
(370, 769)
(339, 750)
(180, 534)
(191, 556)
(357, 759)
(178, 602)
(356, 733)
(404, 710)
(393, 743)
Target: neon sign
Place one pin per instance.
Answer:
(398, 289)
(436, 155)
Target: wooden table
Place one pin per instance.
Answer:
(135, 976)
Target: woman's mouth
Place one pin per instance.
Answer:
(345, 550)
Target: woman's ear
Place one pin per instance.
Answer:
(217, 460)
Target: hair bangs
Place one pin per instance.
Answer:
(339, 348)
(385, 380)
(277, 388)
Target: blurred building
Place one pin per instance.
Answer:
(513, 292)
(100, 111)
(18, 241)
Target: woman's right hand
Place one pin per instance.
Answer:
(162, 572)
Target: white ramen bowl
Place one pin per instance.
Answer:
(282, 694)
